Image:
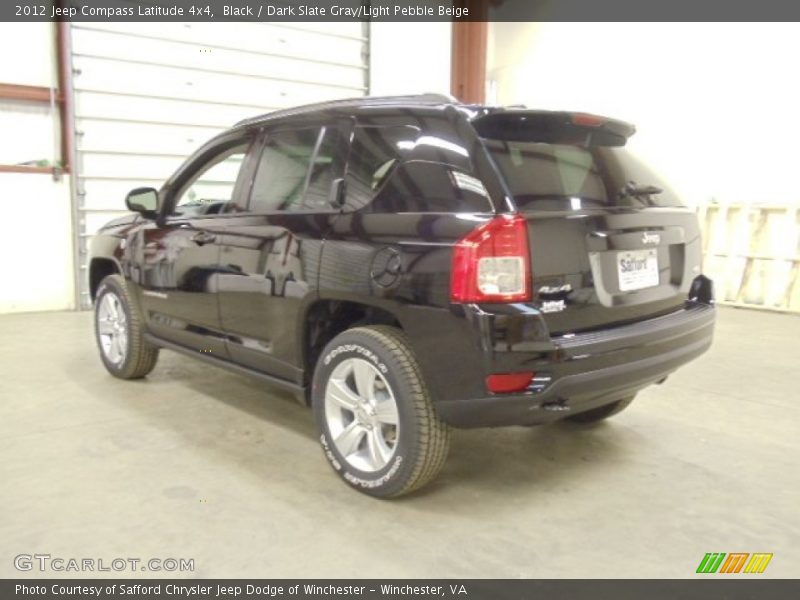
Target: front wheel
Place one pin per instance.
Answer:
(119, 332)
(376, 422)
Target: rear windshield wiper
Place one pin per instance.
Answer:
(642, 193)
(633, 189)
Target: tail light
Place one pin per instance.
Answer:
(492, 264)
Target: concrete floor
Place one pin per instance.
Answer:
(195, 462)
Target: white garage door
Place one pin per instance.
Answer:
(148, 94)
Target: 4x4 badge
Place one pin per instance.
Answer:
(650, 238)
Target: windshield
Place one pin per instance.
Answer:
(548, 176)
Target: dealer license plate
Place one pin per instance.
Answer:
(637, 269)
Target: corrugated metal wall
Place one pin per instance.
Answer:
(148, 94)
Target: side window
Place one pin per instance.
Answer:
(210, 191)
(295, 170)
(374, 154)
(421, 186)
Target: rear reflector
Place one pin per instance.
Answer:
(503, 383)
(492, 264)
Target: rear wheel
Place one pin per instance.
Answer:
(119, 332)
(376, 422)
(602, 412)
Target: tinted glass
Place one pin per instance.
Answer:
(295, 170)
(327, 166)
(210, 190)
(374, 154)
(544, 176)
(419, 186)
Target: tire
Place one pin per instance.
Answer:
(359, 376)
(119, 333)
(602, 412)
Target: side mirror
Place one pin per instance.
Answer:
(144, 201)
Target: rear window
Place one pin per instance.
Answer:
(545, 176)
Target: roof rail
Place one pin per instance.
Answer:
(417, 99)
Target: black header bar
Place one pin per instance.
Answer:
(707, 588)
(400, 10)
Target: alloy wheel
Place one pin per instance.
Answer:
(361, 414)
(112, 328)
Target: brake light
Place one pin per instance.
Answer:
(503, 383)
(587, 120)
(492, 263)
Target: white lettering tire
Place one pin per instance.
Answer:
(375, 419)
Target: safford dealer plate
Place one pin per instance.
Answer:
(637, 269)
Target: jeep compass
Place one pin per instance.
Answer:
(409, 264)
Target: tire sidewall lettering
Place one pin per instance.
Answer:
(397, 461)
(352, 476)
(360, 350)
(329, 453)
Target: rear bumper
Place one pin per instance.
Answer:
(584, 371)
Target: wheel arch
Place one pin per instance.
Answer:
(101, 267)
(325, 318)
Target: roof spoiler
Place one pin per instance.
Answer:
(411, 100)
(517, 125)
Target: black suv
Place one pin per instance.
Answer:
(408, 263)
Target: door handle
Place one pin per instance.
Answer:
(203, 237)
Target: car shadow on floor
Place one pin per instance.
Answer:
(516, 459)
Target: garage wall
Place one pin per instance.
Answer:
(36, 244)
(147, 95)
(715, 106)
(36, 276)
